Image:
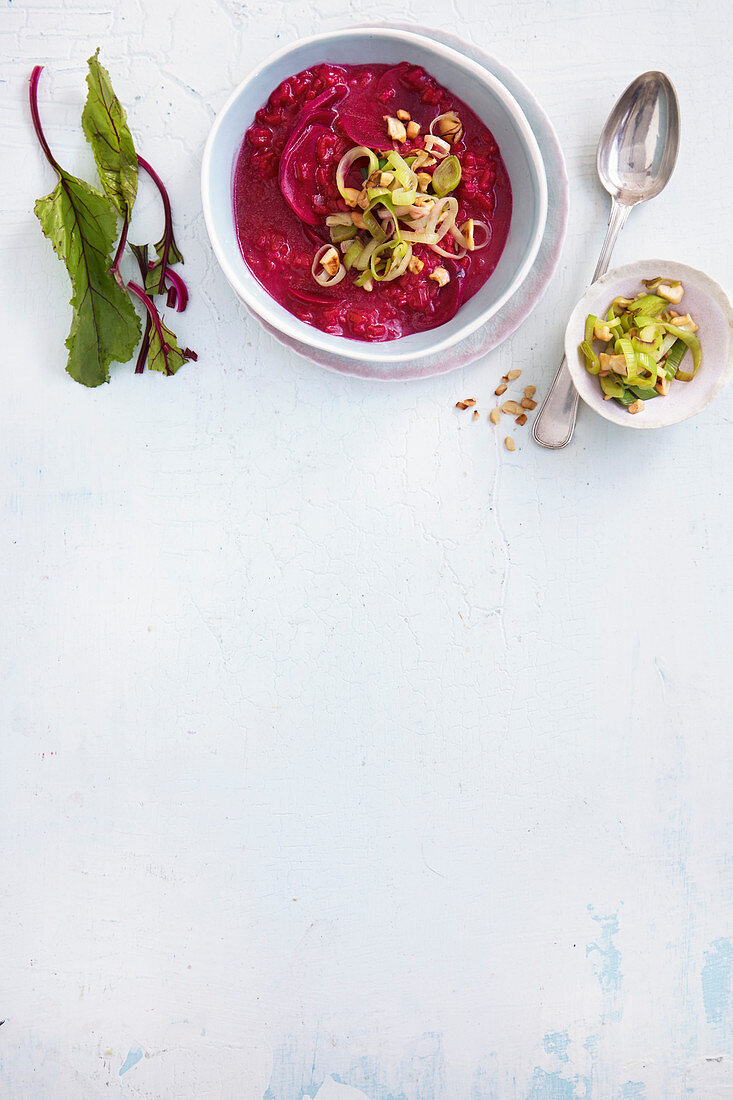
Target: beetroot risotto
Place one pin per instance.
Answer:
(370, 201)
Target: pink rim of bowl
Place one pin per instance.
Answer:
(399, 358)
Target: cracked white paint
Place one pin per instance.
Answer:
(325, 719)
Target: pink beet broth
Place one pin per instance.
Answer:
(327, 109)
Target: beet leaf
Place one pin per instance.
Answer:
(159, 347)
(81, 224)
(105, 124)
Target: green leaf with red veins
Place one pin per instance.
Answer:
(174, 256)
(105, 124)
(170, 359)
(81, 224)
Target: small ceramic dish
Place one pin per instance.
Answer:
(709, 307)
(469, 81)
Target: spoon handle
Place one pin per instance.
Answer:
(555, 423)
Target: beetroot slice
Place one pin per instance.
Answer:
(362, 115)
(300, 152)
(448, 299)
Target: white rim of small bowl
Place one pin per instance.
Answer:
(363, 349)
(643, 269)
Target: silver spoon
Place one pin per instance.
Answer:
(637, 151)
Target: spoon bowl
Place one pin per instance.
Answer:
(637, 149)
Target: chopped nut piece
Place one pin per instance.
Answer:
(662, 386)
(449, 127)
(505, 377)
(530, 391)
(510, 444)
(461, 405)
(672, 294)
(511, 407)
(363, 200)
(413, 129)
(500, 389)
(512, 374)
(424, 179)
(385, 178)
(415, 265)
(616, 363)
(521, 420)
(403, 115)
(440, 276)
(528, 403)
(470, 401)
(602, 332)
(330, 261)
(351, 196)
(467, 231)
(475, 414)
(684, 321)
(368, 286)
(637, 406)
(495, 416)
(358, 219)
(395, 129)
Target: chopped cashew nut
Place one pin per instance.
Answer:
(512, 374)
(685, 321)
(351, 196)
(637, 406)
(467, 231)
(416, 265)
(413, 129)
(330, 261)
(601, 332)
(395, 129)
(512, 407)
(662, 386)
(404, 116)
(615, 363)
(358, 219)
(673, 294)
(500, 389)
(440, 276)
(495, 416)
(530, 391)
(450, 128)
(509, 443)
(424, 179)
(385, 178)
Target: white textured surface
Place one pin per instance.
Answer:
(337, 740)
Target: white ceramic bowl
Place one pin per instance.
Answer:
(482, 91)
(709, 307)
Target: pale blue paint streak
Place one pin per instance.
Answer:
(550, 1086)
(134, 1055)
(608, 961)
(717, 981)
(633, 1090)
(557, 1042)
